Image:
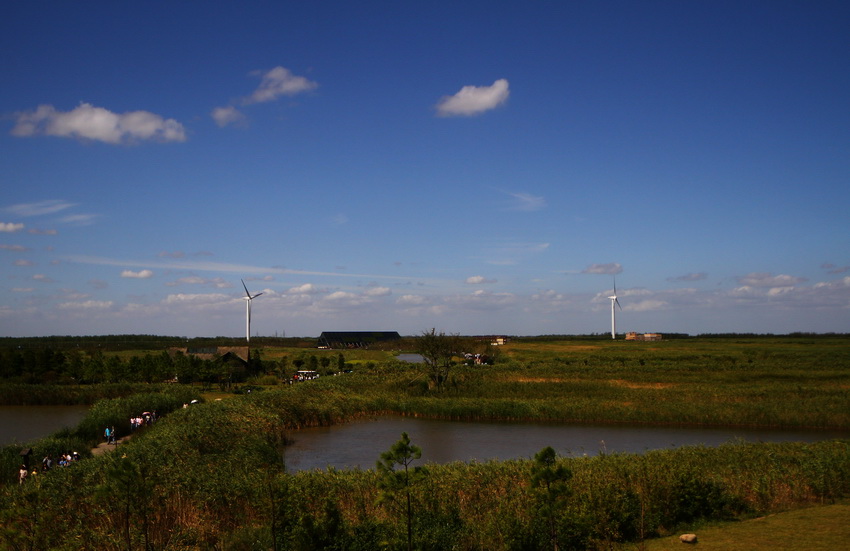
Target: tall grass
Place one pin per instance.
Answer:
(211, 476)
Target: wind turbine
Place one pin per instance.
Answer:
(614, 301)
(248, 299)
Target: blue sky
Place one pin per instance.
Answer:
(477, 167)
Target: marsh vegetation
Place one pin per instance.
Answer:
(212, 476)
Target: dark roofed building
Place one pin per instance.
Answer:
(225, 353)
(355, 339)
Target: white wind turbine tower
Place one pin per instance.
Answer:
(614, 301)
(248, 299)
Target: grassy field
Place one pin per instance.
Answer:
(823, 528)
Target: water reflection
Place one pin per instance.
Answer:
(26, 423)
(358, 444)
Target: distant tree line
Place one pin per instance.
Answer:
(146, 342)
(54, 366)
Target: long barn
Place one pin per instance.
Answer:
(355, 339)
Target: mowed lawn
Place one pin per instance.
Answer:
(823, 528)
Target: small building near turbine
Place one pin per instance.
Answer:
(355, 339)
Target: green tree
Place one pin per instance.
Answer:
(438, 350)
(550, 482)
(397, 477)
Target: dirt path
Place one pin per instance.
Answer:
(104, 447)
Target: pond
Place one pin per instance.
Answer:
(360, 443)
(19, 424)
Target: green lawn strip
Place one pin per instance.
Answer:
(822, 528)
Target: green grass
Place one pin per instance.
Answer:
(821, 528)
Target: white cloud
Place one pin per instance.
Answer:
(141, 274)
(224, 116)
(761, 279)
(341, 295)
(23, 262)
(474, 100)
(612, 268)
(43, 278)
(306, 289)
(378, 292)
(778, 291)
(411, 300)
(96, 123)
(478, 280)
(279, 82)
(35, 231)
(13, 248)
(10, 227)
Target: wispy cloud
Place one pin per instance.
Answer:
(224, 116)
(279, 82)
(214, 267)
(40, 208)
(611, 268)
(79, 219)
(833, 269)
(274, 83)
(88, 122)
(526, 202)
(699, 276)
(13, 248)
(216, 282)
(762, 279)
(474, 100)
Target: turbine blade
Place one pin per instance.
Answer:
(618, 302)
(245, 287)
(255, 296)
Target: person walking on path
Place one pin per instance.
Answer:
(22, 474)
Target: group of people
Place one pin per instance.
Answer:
(47, 464)
(147, 418)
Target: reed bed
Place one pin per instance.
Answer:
(211, 476)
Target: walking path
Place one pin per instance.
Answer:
(104, 447)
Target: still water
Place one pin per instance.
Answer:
(360, 443)
(20, 424)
